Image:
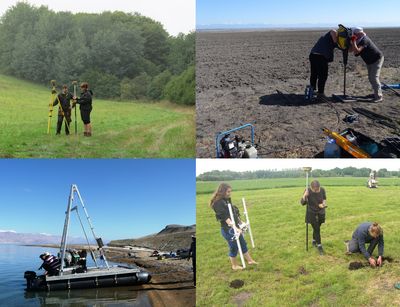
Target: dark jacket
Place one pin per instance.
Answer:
(370, 53)
(362, 236)
(222, 212)
(325, 46)
(64, 100)
(85, 100)
(314, 213)
(51, 264)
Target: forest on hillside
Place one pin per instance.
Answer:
(122, 56)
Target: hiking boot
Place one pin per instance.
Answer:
(379, 99)
(320, 249)
(84, 133)
(88, 134)
(314, 243)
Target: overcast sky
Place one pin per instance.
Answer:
(241, 165)
(175, 15)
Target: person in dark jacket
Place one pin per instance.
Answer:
(219, 203)
(64, 109)
(363, 46)
(51, 264)
(320, 57)
(192, 253)
(85, 102)
(371, 233)
(315, 199)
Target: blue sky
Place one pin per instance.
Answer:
(125, 198)
(350, 13)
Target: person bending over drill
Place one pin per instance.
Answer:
(64, 109)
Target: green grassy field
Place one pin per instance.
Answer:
(120, 129)
(287, 275)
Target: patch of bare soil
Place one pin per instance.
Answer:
(241, 298)
(238, 75)
(237, 283)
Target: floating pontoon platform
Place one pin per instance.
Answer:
(94, 278)
(79, 276)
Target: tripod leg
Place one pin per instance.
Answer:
(307, 237)
(237, 235)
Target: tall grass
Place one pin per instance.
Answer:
(120, 129)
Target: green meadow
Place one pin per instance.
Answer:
(131, 129)
(287, 275)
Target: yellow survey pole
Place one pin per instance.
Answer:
(53, 95)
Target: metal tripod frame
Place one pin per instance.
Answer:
(74, 191)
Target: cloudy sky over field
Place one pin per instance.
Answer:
(242, 165)
(176, 15)
(289, 12)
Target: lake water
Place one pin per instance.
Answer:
(16, 259)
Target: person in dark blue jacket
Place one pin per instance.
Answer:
(320, 56)
(367, 233)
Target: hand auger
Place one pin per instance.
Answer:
(52, 98)
(76, 124)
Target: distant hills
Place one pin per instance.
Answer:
(171, 238)
(261, 26)
(9, 236)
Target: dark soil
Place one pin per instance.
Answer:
(238, 73)
(356, 265)
(302, 271)
(388, 259)
(237, 283)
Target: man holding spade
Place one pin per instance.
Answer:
(315, 199)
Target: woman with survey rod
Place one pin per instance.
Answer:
(229, 217)
(315, 199)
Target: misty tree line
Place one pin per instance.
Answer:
(123, 56)
(293, 173)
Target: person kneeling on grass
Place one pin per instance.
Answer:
(371, 233)
(85, 102)
(315, 198)
(219, 203)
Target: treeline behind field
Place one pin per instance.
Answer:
(293, 173)
(122, 56)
